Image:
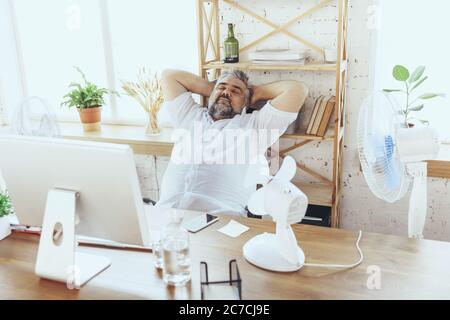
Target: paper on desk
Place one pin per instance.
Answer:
(233, 229)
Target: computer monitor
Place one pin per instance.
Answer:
(90, 188)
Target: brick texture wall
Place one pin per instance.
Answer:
(360, 208)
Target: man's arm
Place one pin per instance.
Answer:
(175, 82)
(285, 95)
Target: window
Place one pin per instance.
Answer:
(52, 42)
(413, 33)
(158, 34)
(108, 39)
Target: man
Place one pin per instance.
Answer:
(203, 180)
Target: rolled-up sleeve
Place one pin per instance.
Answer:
(270, 117)
(269, 124)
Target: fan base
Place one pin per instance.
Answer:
(262, 252)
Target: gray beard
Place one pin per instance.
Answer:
(219, 111)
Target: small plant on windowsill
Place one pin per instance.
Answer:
(413, 103)
(88, 98)
(6, 209)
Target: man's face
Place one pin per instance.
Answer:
(227, 99)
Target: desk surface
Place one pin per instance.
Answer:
(409, 269)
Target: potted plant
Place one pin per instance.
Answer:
(6, 209)
(413, 102)
(88, 98)
(147, 91)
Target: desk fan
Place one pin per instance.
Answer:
(392, 156)
(287, 205)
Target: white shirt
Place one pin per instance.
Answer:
(213, 164)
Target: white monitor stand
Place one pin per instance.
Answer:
(58, 239)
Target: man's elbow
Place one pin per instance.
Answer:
(167, 74)
(300, 91)
(170, 81)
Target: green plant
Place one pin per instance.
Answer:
(87, 95)
(6, 207)
(412, 82)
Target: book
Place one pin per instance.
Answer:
(313, 114)
(326, 117)
(319, 115)
(277, 54)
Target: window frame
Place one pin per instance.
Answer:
(110, 66)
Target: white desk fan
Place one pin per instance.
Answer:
(393, 156)
(287, 205)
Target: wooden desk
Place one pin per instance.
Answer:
(409, 269)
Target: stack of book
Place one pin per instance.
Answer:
(278, 57)
(321, 115)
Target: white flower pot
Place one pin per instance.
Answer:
(5, 228)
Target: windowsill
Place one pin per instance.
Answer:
(157, 145)
(162, 144)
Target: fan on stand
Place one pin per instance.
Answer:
(392, 156)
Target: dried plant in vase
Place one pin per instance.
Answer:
(148, 93)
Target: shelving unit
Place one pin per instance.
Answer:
(326, 192)
(255, 66)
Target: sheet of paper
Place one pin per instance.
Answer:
(233, 229)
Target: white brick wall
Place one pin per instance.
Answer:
(360, 209)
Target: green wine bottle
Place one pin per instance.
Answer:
(231, 46)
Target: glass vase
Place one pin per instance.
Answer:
(152, 127)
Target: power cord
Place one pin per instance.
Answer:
(344, 266)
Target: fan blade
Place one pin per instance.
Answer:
(378, 124)
(258, 173)
(256, 203)
(287, 170)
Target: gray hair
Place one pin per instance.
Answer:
(241, 75)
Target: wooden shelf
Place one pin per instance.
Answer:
(211, 63)
(319, 194)
(258, 66)
(305, 136)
